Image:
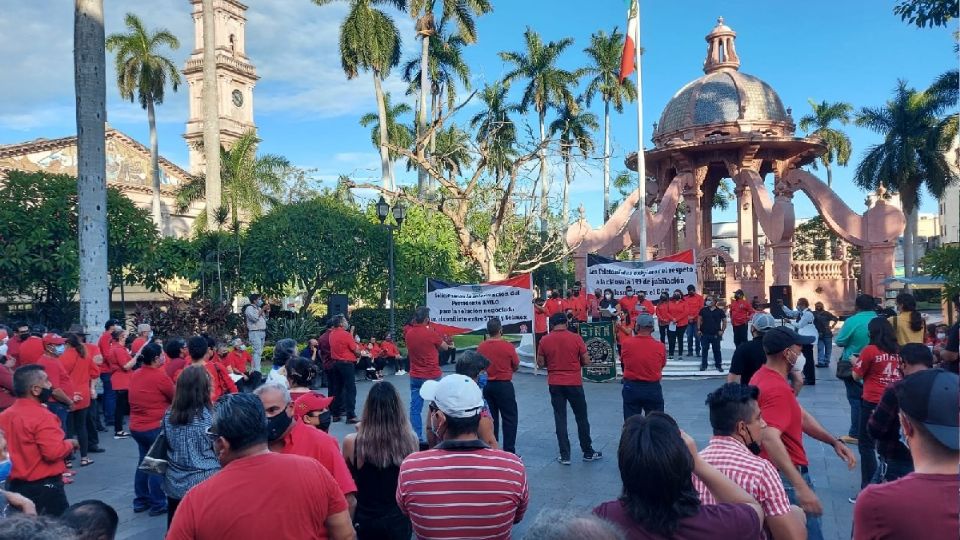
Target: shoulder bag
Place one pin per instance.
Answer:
(155, 460)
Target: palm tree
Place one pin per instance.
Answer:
(369, 40)
(548, 86)
(211, 113)
(461, 13)
(604, 53)
(247, 181)
(89, 68)
(398, 133)
(912, 154)
(836, 141)
(452, 151)
(574, 127)
(496, 132)
(141, 69)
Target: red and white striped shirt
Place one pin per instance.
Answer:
(755, 475)
(462, 490)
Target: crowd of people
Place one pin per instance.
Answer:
(233, 443)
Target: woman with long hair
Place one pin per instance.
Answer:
(78, 363)
(678, 318)
(908, 323)
(658, 498)
(662, 311)
(190, 456)
(121, 365)
(150, 393)
(374, 453)
(877, 367)
(300, 374)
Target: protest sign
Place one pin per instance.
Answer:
(457, 308)
(598, 337)
(651, 277)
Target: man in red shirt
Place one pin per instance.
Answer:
(922, 504)
(231, 503)
(313, 409)
(740, 313)
(109, 397)
(61, 400)
(499, 393)
(628, 302)
(578, 303)
(539, 321)
(35, 442)
(344, 352)
(144, 335)
(593, 304)
(200, 354)
(238, 362)
(643, 361)
(554, 304)
(694, 303)
(787, 422)
(21, 333)
(392, 355)
(423, 351)
(31, 349)
(564, 353)
(287, 436)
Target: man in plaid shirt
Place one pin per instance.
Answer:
(733, 450)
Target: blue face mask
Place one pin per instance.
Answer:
(482, 380)
(59, 349)
(5, 467)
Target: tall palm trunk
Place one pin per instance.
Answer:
(544, 188)
(155, 167)
(908, 200)
(89, 64)
(211, 114)
(606, 160)
(568, 179)
(424, 88)
(385, 179)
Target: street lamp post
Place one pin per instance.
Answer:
(399, 214)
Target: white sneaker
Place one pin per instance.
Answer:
(401, 372)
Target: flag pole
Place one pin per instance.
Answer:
(641, 162)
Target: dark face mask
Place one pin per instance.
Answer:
(676, 297)
(277, 425)
(753, 446)
(45, 395)
(325, 418)
(24, 336)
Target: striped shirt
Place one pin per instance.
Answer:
(462, 489)
(755, 475)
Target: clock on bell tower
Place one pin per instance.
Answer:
(236, 78)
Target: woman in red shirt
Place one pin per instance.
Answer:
(663, 316)
(624, 325)
(151, 393)
(78, 363)
(877, 367)
(678, 316)
(121, 364)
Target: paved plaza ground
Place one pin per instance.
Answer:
(580, 486)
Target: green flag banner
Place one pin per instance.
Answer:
(599, 339)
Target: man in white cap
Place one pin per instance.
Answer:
(497, 479)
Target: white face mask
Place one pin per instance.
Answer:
(941, 335)
(242, 347)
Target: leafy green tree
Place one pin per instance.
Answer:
(944, 262)
(342, 247)
(923, 13)
(398, 133)
(912, 154)
(144, 71)
(574, 127)
(370, 41)
(548, 86)
(604, 53)
(452, 152)
(837, 142)
(248, 179)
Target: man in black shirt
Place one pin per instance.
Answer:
(711, 323)
(750, 355)
(824, 321)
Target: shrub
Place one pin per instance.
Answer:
(298, 328)
(189, 317)
(375, 322)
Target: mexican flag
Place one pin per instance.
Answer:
(628, 60)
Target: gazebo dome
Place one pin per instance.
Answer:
(723, 98)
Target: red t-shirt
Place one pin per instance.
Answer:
(915, 506)
(58, 376)
(629, 303)
(390, 349)
(138, 344)
(30, 351)
(173, 367)
(423, 345)
(740, 312)
(220, 381)
(780, 409)
(230, 504)
(553, 305)
(663, 312)
(308, 441)
(503, 359)
(624, 330)
(238, 360)
(81, 371)
(343, 346)
(878, 369)
(561, 351)
(694, 305)
(646, 304)
(104, 345)
(13, 347)
(539, 320)
(151, 392)
(579, 306)
(118, 357)
(35, 441)
(643, 358)
(677, 310)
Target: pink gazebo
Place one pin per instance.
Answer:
(728, 124)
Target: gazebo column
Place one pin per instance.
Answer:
(746, 231)
(691, 226)
(782, 260)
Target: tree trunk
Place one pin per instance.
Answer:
(211, 114)
(155, 168)
(385, 179)
(544, 188)
(89, 64)
(424, 88)
(606, 160)
(568, 179)
(908, 200)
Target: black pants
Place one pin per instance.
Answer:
(739, 334)
(77, 427)
(809, 365)
(641, 397)
(346, 399)
(172, 505)
(559, 397)
(122, 409)
(663, 333)
(866, 445)
(708, 341)
(93, 435)
(448, 356)
(502, 400)
(676, 339)
(47, 494)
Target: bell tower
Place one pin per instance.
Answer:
(236, 78)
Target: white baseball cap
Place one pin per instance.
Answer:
(457, 396)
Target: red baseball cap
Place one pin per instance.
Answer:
(53, 339)
(309, 402)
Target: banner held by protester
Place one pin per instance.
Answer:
(652, 277)
(457, 308)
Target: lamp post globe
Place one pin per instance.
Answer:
(383, 209)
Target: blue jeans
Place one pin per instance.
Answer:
(61, 411)
(416, 407)
(706, 342)
(692, 337)
(854, 391)
(109, 398)
(640, 397)
(814, 531)
(824, 349)
(148, 488)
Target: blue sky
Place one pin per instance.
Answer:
(307, 111)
